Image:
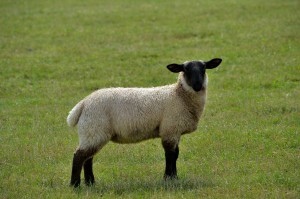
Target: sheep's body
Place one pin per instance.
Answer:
(130, 115)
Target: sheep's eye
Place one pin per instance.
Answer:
(187, 69)
(203, 70)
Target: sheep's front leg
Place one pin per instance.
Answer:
(171, 155)
(88, 172)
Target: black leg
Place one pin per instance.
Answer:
(171, 155)
(88, 172)
(76, 168)
(80, 157)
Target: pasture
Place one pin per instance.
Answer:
(54, 53)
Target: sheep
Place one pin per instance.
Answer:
(131, 115)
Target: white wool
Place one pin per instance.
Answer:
(129, 115)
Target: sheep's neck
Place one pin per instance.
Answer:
(194, 101)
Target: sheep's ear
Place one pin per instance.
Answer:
(175, 68)
(213, 63)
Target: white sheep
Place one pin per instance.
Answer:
(130, 115)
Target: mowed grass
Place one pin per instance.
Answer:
(54, 53)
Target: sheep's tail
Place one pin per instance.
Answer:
(74, 114)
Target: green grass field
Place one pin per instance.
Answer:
(54, 53)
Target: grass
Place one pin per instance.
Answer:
(54, 53)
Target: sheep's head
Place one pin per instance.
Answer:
(194, 71)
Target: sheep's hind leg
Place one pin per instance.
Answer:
(171, 155)
(88, 172)
(80, 156)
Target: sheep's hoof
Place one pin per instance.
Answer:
(170, 177)
(75, 183)
(90, 182)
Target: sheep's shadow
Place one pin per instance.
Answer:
(123, 186)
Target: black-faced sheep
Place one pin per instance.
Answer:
(130, 115)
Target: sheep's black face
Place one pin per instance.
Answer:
(194, 74)
(194, 71)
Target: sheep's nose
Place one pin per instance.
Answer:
(197, 87)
